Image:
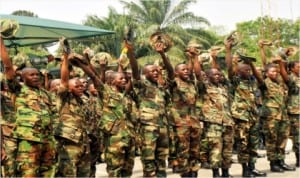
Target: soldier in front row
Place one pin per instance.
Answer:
(36, 149)
(153, 121)
(244, 110)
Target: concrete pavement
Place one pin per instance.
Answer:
(236, 169)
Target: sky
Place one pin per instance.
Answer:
(224, 13)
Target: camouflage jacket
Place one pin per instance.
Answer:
(33, 114)
(7, 116)
(244, 101)
(72, 116)
(183, 107)
(215, 107)
(274, 98)
(94, 106)
(153, 101)
(117, 108)
(293, 104)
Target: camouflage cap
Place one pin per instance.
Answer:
(163, 38)
(244, 57)
(8, 28)
(194, 43)
(20, 59)
(95, 61)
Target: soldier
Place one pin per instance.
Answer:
(228, 132)
(153, 121)
(74, 148)
(293, 82)
(183, 111)
(8, 119)
(36, 152)
(95, 106)
(244, 110)
(214, 112)
(274, 114)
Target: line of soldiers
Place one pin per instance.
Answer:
(181, 114)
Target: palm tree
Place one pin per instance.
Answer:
(172, 19)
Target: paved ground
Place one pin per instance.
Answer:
(236, 169)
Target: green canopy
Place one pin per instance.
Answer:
(33, 30)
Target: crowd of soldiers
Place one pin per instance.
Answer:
(187, 116)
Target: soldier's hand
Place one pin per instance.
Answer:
(159, 47)
(128, 45)
(228, 43)
(262, 43)
(103, 62)
(277, 59)
(3, 154)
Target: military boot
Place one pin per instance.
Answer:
(194, 174)
(246, 171)
(285, 167)
(275, 167)
(225, 172)
(297, 159)
(185, 175)
(256, 172)
(216, 173)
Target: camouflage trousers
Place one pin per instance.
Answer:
(228, 137)
(295, 127)
(95, 152)
(74, 158)
(213, 143)
(36, 159)
(9, 164)
(276, 133)
(247, 138)
(188, 148)
(172, 147)
(119, 154)
(155, 150)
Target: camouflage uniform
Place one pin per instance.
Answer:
(228, 129)
(7, 120)
(119, 133)
(36, 154)
(293, 107)
(276, 123)
(214, 109)
(244, 111)
(71, 133)
(187, 125)
(154, 128)
(94, 105)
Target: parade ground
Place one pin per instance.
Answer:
(236, 169)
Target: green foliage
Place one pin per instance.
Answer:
(282, 32)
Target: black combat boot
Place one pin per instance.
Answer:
(274, 167)
(256, 172)
(194, 174)
(297, 159)
(225, 172)
(285, 167)
(216, 173)
(186, 175)
(246, 171)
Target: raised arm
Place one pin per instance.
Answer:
(64, 70)
(283, 71)
(159, 47)
(194, 64)
(132, 60)
(9, 71)
(228, 57)
(254, 71)
(261, 45)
